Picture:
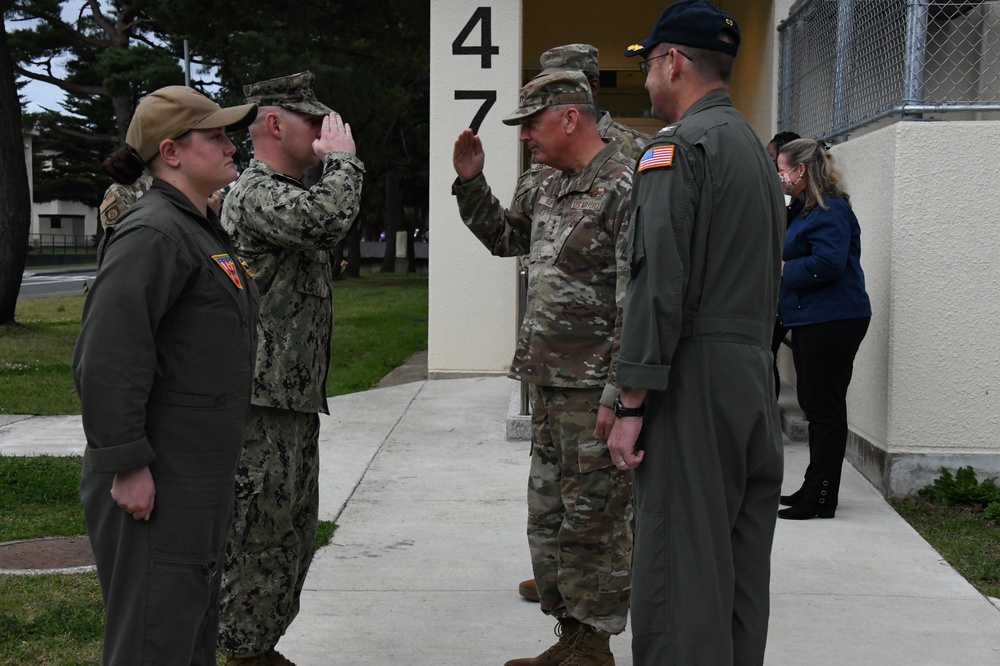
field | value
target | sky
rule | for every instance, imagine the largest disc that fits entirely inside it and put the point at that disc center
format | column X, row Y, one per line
column 38, row 94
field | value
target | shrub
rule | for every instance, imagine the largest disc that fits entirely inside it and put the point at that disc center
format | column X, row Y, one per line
column 962, row 488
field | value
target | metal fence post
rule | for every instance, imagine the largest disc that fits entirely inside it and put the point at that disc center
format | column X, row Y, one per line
column 913, row 63
column 842, row 62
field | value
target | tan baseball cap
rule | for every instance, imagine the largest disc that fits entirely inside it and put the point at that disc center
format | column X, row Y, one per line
column 170, row 112
column 549, row 89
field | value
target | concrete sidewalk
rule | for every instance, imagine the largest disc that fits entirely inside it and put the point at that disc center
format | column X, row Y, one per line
column 429, row 497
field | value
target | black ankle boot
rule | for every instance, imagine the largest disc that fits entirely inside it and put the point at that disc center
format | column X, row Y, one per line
column 804, row 510
column 793, row 499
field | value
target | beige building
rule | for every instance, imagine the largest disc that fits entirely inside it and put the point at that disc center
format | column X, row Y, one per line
column 922, row 176
column 57, row 223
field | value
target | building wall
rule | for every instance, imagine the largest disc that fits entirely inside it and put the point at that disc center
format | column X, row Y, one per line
column 39, row 225
column 473, row 295
column 927, row 377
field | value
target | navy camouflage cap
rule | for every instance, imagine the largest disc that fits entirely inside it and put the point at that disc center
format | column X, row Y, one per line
column 549, row 89
column 290, row 92
column 691, row 23
column 582, row 57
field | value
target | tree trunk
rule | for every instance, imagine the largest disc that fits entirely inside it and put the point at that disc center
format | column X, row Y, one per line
column 353, row 246
column 15, row 200
column 393, row 215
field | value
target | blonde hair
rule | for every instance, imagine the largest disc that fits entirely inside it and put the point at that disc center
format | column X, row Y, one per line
column 824, row 177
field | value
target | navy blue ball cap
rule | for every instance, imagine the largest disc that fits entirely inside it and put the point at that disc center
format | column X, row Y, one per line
column 691, row 23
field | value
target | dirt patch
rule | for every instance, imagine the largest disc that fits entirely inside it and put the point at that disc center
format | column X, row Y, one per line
column 46, row 554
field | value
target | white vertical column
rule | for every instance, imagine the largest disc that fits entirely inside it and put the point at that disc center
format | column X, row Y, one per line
column 475, row 78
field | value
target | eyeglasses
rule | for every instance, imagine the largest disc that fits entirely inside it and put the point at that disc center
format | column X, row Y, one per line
column 644, row 65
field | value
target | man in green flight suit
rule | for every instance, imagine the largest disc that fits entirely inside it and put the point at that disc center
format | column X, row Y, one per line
column 697, row 419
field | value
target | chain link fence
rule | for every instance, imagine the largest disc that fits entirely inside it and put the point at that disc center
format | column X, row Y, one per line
column 850, row 64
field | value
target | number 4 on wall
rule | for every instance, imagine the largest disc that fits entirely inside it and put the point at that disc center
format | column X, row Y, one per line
column 486, row 49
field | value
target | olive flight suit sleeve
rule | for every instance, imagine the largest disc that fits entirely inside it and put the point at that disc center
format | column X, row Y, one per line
column 665, row 201
column 142, row 274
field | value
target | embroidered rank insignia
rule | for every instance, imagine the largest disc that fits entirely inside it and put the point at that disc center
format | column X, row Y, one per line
column 227, row 264
column 657, row 157
column 246, row 266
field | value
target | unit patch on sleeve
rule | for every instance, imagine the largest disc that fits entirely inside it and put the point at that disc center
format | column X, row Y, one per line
column 657, row 157
column 227, row 264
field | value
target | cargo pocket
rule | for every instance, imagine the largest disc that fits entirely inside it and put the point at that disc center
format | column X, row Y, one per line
column 596, row 469
column 179, row 596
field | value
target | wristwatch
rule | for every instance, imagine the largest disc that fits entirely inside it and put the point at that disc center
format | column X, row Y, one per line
column 622, row 411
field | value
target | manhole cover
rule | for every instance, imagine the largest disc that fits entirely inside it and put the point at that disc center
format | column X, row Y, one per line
column 50, row 555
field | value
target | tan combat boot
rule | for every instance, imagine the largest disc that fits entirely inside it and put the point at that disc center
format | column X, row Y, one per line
column 569, row 632
column 528, row 589
column 591, row 649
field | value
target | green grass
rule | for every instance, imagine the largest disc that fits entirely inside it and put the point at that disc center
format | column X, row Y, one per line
column 56, row 619
column 40, row 497
column 36, row 357
column 381, row 319
column 50, row 619
column 963, row 536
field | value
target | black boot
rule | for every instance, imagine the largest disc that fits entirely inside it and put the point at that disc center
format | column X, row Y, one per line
column 804, row 510
column 794, row 498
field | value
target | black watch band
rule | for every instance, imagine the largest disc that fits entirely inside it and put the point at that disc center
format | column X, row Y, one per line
column 622, row 411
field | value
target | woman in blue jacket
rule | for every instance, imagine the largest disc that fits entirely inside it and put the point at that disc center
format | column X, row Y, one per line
column 823, row 302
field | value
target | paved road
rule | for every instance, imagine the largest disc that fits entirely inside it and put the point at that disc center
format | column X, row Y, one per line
column 69, row 284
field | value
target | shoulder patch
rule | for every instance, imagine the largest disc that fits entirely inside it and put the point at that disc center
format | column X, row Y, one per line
column 226, row 263
column 657, row 157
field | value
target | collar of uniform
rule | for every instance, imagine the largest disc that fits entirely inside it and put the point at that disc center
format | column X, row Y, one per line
column 583, row 180
column 717, row 97
column 604, row 124
column 268, row 170
column 174, row 195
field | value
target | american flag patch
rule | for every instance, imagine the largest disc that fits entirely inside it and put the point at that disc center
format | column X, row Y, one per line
column 658, row 156
column 227, row 264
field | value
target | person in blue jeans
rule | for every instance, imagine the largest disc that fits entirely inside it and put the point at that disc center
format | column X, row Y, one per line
column 823, row 302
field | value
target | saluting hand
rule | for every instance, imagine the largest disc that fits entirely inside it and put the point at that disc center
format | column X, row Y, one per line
column 335, row 136
column 468, row 156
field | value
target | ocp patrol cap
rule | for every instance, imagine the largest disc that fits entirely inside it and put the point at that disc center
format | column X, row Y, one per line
column 691, row 23
column 290, row 92
column 581, row 57
column 549, row 89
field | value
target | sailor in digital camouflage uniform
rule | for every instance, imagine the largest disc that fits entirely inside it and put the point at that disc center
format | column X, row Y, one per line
column 578, row 502
column 583, row 58
column 118, row 198
column 285, row 233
